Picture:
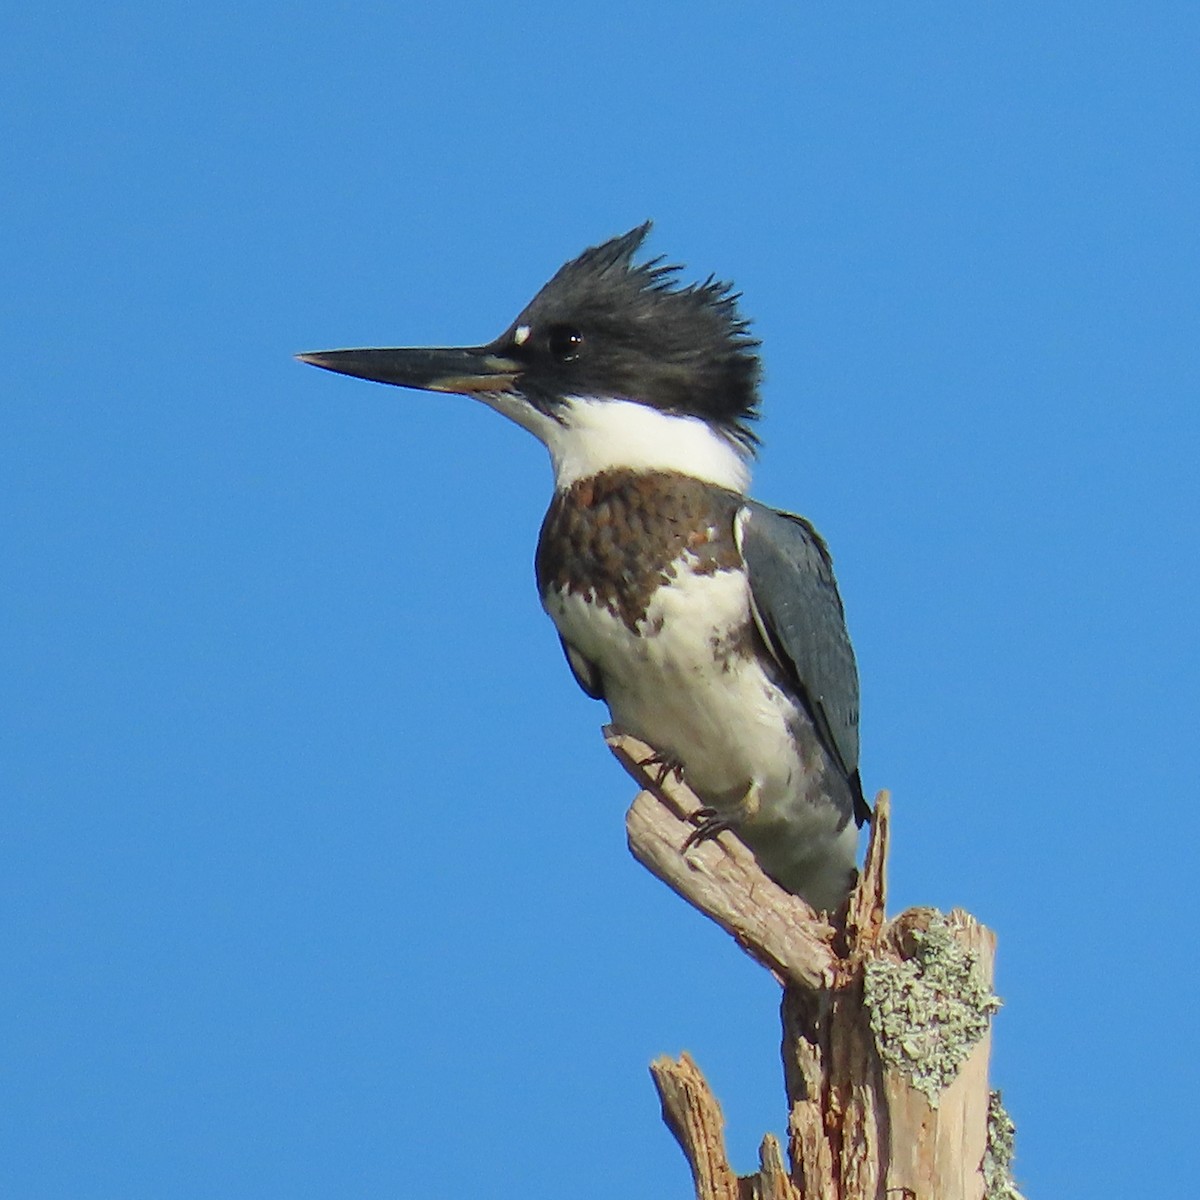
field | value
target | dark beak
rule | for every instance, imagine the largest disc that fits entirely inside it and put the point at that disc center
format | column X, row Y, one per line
column 468, row 369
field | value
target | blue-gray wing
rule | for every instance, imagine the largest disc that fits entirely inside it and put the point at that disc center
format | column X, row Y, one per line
column 799, row 614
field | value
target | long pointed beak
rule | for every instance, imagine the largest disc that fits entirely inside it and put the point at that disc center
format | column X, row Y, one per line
column 468, row 369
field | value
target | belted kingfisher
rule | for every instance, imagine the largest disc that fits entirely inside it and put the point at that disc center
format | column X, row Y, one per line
column 709, row 624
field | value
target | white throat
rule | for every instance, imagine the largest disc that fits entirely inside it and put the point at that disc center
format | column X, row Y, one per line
column 596, row 435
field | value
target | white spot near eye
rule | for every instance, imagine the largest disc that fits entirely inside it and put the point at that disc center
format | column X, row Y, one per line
column 521, row 335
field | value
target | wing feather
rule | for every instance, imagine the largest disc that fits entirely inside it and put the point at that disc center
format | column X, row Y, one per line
column 799, row 613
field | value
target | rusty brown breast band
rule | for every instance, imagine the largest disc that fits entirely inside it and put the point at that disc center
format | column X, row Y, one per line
column 618, row 536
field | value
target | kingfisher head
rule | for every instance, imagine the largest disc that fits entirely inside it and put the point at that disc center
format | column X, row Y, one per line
column 612, row 364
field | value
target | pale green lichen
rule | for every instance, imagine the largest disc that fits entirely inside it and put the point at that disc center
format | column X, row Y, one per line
column 929, row 1010
column 997, row 1159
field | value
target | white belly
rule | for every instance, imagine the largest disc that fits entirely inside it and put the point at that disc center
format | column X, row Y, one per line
column 685, row 686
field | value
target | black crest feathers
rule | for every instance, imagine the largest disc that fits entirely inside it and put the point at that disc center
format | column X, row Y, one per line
column 606, row 326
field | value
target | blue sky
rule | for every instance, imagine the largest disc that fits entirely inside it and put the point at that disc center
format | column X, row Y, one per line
column 314, row 879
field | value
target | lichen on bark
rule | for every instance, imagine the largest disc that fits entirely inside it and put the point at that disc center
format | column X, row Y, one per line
column 929, row 1009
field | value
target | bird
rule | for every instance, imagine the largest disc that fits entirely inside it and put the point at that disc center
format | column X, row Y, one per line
column 710, row 624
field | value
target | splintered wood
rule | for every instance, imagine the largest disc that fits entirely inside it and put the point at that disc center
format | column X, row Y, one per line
column 886, row 1025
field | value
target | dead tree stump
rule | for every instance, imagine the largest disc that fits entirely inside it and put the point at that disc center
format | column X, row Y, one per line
column 886, row 1025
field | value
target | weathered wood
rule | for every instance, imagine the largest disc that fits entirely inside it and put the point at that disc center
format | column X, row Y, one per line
column 937, row 1098
column 772, row 1181
column 692, row 1114
column 886, row 1025
column 722, row 879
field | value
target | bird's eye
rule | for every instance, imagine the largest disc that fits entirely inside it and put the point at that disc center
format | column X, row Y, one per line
column 564, row 342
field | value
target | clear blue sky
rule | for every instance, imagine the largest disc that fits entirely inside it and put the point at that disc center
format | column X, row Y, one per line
column 314, row 880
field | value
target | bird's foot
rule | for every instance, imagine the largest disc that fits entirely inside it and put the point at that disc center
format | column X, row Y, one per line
column 709, row 822
column 663, row 765
column 659, row 765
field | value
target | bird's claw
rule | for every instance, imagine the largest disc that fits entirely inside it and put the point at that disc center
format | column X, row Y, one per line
column 663, row 765
column 658, row 765
column 709, row 823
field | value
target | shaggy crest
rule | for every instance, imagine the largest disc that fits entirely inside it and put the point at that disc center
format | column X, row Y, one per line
column 607, row 328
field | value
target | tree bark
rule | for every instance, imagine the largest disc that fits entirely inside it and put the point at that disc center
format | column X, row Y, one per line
column 886, row 1024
